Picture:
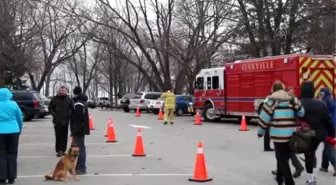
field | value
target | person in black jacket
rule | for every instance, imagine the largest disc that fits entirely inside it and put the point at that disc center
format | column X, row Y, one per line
column 318, row 118
column 79, row 127
column 60, row 107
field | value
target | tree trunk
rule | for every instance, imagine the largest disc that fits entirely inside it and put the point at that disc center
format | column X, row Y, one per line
column 47, row 85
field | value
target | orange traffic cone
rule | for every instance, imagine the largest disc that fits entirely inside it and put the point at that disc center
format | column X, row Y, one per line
column 200, row 173
column 139, row 147
column 111, row 137
column 91, row 122
column 160, row 116
column 198, row 119
column 137, row 113
column 243, row 125
column 110, row 121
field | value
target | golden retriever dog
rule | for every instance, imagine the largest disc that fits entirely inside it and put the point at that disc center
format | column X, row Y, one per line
column 67, row 163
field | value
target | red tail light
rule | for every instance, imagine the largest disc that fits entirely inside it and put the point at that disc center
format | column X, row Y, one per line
column 36, row 104
column 142, row 101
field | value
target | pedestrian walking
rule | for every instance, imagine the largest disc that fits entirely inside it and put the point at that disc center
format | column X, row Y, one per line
column 60, row 107
column 10, row 128
column 319, row 120
column 295, row 161
column 169, row 107
column 79, row 127
column 279, row 115
column 328, row 154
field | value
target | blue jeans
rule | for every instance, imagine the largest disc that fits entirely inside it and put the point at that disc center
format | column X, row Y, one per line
column 328, row 155
column 81, row 162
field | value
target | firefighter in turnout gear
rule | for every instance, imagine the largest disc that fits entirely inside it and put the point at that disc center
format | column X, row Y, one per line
column 169, row 100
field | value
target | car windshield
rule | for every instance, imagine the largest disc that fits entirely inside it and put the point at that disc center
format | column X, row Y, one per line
column 152, row 96
column 137, row 96
column 127, row 96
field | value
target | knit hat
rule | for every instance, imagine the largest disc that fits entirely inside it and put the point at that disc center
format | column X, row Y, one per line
column 307, row 90
column 77, row 90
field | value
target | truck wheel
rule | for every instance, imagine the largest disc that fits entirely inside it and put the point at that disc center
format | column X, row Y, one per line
column 126, row 109
column 209, row 113
column 101, row 106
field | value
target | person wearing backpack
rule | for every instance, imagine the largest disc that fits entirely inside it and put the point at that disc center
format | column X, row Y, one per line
column 279, row 114
column 295, row 161
column 79, row 127
column 328, row 154
column 319, row 120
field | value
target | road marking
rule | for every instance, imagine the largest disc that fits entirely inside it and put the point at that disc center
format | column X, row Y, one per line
column 52, row 144
column 139, row 126
column 89, row 156
column 118, row 175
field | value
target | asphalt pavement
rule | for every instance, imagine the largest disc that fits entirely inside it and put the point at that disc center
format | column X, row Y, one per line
column 232, row 157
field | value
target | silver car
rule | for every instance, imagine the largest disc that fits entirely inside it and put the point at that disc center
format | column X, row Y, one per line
column 142, row 99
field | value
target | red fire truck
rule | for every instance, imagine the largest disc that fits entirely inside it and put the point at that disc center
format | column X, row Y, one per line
column 238, row 88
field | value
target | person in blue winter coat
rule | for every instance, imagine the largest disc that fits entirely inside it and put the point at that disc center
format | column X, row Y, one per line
column 10, row 128
column 328, row 154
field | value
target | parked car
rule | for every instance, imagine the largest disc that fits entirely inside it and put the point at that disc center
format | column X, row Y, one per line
column 155, row 105
column 142, row 99
column 46, row 102
column 30, row 104
column 91, row 104
column 125, row 101
column 104, row 102
column 184, row 105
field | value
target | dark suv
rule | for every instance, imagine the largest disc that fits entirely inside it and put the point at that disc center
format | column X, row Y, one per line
column 30, row 104
column 125, row 101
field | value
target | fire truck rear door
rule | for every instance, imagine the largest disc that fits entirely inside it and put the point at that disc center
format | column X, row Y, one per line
column 322, row 73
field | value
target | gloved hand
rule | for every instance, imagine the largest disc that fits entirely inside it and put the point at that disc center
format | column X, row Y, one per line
column 331, row 141
column 260, row 135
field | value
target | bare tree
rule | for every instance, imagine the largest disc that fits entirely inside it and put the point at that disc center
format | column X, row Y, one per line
column 154, row 45
column 201, row 28
column 59, row 39
column 85, row 65
column 274, row 27
column 16, row 32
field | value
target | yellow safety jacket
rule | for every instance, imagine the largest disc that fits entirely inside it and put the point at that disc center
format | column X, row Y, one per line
column 169, row 100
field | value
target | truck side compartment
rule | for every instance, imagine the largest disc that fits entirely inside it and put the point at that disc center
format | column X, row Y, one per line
column 248, row 83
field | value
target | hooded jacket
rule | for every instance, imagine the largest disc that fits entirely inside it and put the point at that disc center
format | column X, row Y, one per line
column 330, row 102
column 10, row 113
column 79, row 124
column 60, row 107
column 317, row 115
column 279, row 113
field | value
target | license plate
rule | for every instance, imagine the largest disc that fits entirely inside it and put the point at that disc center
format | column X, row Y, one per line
column 190, row 109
